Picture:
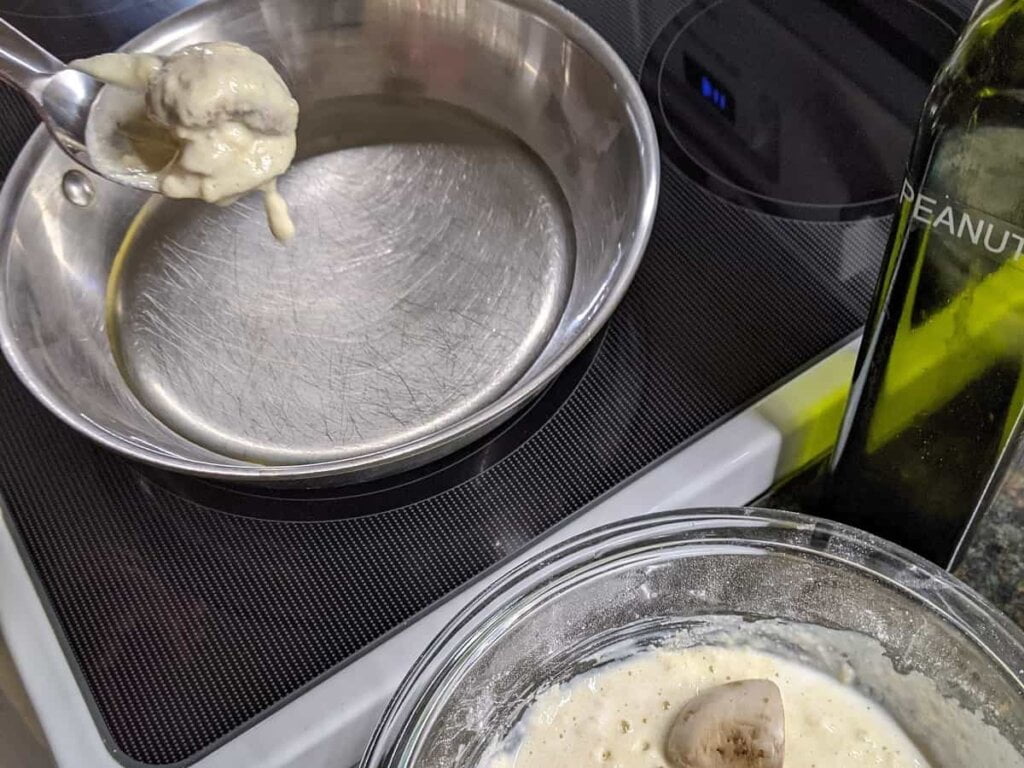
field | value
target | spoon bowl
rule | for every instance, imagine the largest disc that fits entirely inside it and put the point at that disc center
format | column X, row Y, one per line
column 736, row 725
column 64, row 99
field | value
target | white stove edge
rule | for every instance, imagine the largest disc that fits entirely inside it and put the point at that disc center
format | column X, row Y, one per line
column 330, row 724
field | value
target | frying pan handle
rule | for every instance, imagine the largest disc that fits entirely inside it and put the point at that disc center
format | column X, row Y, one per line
column 24, row 64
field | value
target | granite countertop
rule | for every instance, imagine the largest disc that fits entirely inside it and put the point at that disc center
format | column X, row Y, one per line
column 994, row 565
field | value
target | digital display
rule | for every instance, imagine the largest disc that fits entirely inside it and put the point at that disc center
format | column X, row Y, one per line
column 710, row 88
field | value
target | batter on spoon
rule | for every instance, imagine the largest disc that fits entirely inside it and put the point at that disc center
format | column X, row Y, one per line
column 230, row 113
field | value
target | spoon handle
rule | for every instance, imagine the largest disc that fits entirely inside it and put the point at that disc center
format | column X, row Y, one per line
column 24, row 64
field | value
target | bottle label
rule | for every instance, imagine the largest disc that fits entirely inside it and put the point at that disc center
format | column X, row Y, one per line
column 944, row 214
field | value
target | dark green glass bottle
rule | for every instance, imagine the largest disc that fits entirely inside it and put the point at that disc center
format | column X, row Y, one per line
column 938, row 389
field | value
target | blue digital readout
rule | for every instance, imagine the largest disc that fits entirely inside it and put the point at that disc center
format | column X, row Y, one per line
column 710, row 88
column 715, row 95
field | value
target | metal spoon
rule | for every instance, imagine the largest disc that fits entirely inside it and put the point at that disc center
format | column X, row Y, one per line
column 736, row 725
column 62, row 97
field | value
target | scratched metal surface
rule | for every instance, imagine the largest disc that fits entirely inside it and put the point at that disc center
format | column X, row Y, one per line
column 429, row 270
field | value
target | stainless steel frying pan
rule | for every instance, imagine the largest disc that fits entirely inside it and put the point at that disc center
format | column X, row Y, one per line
column 475, row 185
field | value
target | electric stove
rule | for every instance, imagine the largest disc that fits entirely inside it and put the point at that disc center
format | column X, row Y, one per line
column 163, row 620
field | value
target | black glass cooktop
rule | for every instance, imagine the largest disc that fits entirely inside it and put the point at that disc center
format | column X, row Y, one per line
column 803, row 109
column 190, row 609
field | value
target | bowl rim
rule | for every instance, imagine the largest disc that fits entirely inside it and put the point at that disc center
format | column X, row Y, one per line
column 956, row 603
column 380, row 462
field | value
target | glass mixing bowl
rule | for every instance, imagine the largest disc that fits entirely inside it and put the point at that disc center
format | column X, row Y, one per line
column 946, row 664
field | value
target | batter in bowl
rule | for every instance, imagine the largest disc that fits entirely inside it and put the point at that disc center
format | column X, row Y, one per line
column 619, row 716
column 229, row 113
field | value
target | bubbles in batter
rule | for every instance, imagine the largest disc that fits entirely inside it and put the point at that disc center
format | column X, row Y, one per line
column 620, row 716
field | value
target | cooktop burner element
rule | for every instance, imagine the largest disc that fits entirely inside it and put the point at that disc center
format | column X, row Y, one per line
column 802, row 108
column 69, row 9
column 77, row 28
